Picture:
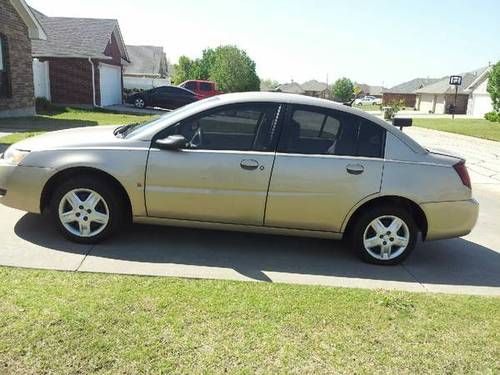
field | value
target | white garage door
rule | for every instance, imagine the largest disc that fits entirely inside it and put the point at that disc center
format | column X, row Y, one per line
column 111, row 84
column 482, row 104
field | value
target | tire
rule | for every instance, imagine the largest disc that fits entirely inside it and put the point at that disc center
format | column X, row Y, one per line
column 140, row 102
column 367, row 230
column 87, row 209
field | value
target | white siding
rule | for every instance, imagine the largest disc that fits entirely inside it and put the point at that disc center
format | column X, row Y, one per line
column 41, row 79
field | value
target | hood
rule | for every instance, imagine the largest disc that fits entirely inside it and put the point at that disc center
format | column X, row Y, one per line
column 90, row 136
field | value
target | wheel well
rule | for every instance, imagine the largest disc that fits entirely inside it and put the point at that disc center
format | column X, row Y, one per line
column 413, row 208
column 61, row 176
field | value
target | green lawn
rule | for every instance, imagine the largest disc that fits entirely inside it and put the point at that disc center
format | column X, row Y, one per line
column 368, row 107
column 55, row 322
column 473, row 127
column 63, row 118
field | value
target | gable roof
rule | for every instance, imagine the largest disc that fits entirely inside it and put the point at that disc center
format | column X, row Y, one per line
column 146, row 60
column 76, row 37
column 443, row 86
column 370, row 90
column 411, row 86
column 35, row 29
column 314, row 85
column 480, row 79
column 291, row 88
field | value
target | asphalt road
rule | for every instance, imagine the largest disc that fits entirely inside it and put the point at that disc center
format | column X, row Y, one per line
column 469, row 265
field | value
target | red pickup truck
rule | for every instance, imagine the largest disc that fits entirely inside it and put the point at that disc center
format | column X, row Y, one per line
column 203, row 89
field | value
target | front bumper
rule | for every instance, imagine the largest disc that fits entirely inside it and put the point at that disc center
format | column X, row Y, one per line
column 450, row 219
column 22, row 186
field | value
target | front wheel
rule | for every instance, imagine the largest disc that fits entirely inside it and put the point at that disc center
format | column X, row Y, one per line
column 384, row 235
column 86, row 210
column 140, row 103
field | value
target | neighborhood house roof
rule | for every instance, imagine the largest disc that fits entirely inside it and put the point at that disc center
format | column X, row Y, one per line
column 314, row 85
column 35, row 30
column 480, row 79
column 291, row 88
column 443, row 86
column 146, row 60
column 76, row 37
column 411, row 86
column 370, row 90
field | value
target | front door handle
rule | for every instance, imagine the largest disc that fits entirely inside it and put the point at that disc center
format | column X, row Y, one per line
column 355, row 169
column 249, row 164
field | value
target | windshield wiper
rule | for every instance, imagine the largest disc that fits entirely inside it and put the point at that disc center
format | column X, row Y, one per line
column 123, row 130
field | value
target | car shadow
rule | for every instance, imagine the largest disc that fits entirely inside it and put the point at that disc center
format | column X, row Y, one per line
column 448, row 262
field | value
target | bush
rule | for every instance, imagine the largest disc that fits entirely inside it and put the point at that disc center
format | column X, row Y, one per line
column 43, row 105
column 492, row 116
column 392, row 108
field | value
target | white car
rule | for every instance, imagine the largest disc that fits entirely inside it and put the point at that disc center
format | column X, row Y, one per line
column 368, row 100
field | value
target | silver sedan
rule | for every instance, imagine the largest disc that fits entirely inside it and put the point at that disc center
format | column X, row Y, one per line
column 258, row 162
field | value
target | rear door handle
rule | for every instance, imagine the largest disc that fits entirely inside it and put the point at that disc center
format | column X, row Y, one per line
column 355, row 169
column 249, row 164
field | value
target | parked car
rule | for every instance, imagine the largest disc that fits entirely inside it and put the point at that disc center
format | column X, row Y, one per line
column 257, row 162
column 203, row 89
column 168, row 97
column 368, row 100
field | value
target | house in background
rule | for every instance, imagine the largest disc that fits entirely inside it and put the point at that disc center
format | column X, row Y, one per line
column 148, row 68
column 368, row 90
column 18, row 27
column 291, row 88
column 316, row 89
column 439, row 96
column 80, row 62
column 406, row 91
column 479, row 102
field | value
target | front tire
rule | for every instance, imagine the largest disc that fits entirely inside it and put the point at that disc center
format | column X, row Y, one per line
column 86, row 210
column 140, row 103
column 384, row 235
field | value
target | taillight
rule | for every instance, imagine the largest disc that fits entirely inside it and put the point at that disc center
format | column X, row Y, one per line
column 461, row 169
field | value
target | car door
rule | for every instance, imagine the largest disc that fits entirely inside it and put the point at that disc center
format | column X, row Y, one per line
column 327, row 161
column 223, row 175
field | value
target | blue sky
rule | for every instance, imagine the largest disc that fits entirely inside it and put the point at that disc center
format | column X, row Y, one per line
column 375, row 42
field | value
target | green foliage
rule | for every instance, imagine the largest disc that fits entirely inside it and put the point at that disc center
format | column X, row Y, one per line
column 229, row 66
column 343, row 90
column 492, row 116
column 494, row 86
column 392, row 108
column 269, row 84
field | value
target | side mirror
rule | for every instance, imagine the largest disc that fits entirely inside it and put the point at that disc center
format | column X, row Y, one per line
column 173, row 142
column 402, row 122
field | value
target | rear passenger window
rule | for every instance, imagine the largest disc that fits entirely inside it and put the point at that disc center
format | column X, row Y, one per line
column 205, row 86
column 312, row 130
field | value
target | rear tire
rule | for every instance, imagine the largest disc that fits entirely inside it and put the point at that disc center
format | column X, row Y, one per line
column 384, row 235
column 87, row 210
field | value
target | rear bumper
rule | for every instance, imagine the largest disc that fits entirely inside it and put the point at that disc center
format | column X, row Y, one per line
column 450, row 219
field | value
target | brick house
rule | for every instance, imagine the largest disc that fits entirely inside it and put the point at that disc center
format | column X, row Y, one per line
column 80, row 62
column 406, row 91
column 17, row 27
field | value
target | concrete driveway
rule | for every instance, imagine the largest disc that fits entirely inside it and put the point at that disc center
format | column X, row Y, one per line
column 468, row 265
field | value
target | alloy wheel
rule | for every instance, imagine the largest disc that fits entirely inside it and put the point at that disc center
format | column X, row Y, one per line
column 83, row 212
column 139, row 103
column 386, row 237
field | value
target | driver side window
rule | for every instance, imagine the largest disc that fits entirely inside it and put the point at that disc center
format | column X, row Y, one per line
column 239, row 128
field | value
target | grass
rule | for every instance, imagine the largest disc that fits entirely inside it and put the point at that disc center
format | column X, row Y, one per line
column 54, row 322
column 63, row 118
column 368, row 107
column 473, row 127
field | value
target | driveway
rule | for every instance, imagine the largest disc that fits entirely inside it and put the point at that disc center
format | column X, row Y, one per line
column 469, row 265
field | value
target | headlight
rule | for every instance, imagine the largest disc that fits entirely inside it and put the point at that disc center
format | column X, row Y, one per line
column 14, row 156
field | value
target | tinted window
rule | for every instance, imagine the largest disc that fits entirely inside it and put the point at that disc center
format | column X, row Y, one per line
column 328, row 132
column 190, row 86
column 205, row 86
column 242, row 128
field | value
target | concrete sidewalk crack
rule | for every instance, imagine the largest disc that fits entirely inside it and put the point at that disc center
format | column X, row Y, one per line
column 414, row 277
column 85, row 257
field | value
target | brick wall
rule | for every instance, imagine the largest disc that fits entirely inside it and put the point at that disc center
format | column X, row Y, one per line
column 20, row 66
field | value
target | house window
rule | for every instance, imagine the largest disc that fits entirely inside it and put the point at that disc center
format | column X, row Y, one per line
column 4, row 68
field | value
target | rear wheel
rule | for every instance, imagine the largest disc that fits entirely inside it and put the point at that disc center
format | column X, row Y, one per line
column 384, row 235
column 87, row 210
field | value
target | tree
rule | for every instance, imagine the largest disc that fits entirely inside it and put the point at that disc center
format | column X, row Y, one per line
column 343, row 90
column 494, row 86
column 183, row 70
column 233, row 70
column 269, row 84
column 229, row 66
